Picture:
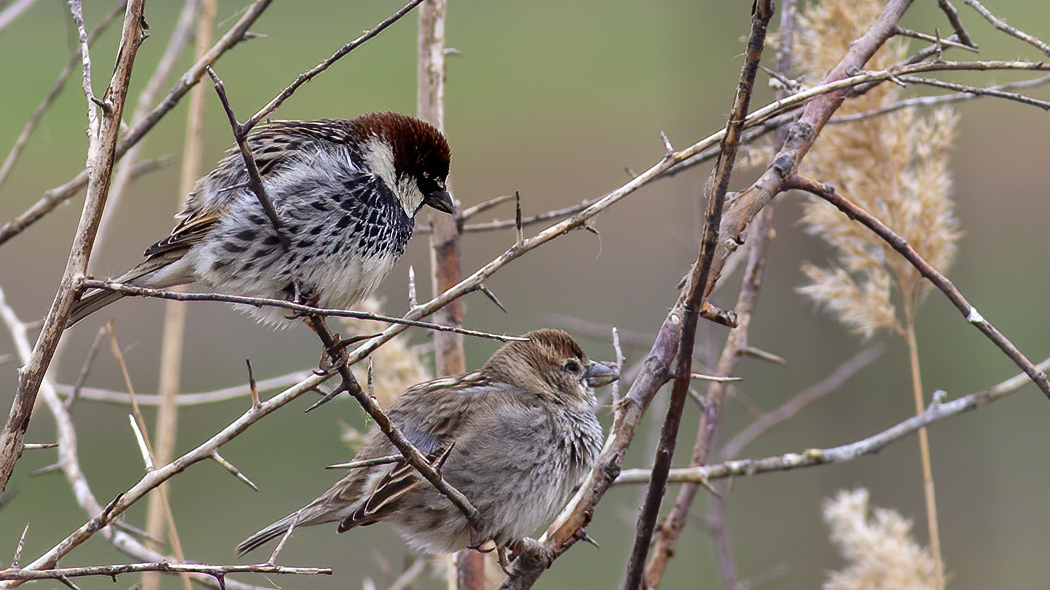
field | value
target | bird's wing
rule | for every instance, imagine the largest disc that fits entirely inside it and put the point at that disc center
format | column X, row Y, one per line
column 275, row 146
column 434, row 432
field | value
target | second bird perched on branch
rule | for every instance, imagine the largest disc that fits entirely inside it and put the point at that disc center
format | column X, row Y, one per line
column 345, row 192
column 514, row 438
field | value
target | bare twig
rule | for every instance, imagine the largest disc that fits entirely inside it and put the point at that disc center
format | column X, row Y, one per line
column 968, row 93
column 60, row 194
column 297, row 307
column 186, row 399
column 216, row 571
column 85, row 370
column 800, row 400
column 949, row 42
column 70, row 466
column 255, row 183
column 978, row 91
column 9, row 14
column 165, row 66
column 998, row 23
column 324, row 65
column 953, row 17
column 56, row 89
column 483, row 206
column 940, row 281
column 512, row 223
column 935, row 412
column 407, row 577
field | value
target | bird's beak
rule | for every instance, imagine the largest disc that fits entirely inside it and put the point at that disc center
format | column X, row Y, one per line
column 598, row 374
column 442, row 201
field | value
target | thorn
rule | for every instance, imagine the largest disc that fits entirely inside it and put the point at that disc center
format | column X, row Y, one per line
column 67, row 583
column 492, row 296
column 630, row 171
column 18, row 548
column 452, row 51
column 704, row 483
column 667, row 144
column 142, row 444
column 587, row 226
column 348, row 341
column 517, row 219
column 368, row 462
column 85, row 370
column 444, row 457
column 37, row 446
column 715, row 378
column 251, row 384
column 766, row 356
column 324, row 400
column 45, row 470
column 104, row 515
column 587, row 538
column 412, row 301
column 101, row 104
column 232, row 469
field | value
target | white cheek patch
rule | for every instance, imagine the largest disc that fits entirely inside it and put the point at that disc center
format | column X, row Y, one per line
column 408, row 193
column 379, row 158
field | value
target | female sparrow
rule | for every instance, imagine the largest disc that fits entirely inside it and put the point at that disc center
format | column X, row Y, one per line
column 346, row 193
column 514, row 438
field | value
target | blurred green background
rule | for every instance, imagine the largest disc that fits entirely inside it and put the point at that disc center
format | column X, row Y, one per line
column 554, row 100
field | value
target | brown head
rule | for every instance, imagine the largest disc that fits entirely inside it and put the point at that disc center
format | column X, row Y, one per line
column 551, row 364
column 418, row 157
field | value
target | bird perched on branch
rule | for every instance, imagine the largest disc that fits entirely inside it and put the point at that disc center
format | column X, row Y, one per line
column 345, row 193
column 514, row 438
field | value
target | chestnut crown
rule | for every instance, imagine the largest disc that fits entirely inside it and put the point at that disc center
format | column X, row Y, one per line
column 419, row 150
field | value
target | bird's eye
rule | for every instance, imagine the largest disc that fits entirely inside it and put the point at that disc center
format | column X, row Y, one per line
column 572, row 366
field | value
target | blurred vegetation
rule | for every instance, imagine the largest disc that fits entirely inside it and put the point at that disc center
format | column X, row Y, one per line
column 554, row 100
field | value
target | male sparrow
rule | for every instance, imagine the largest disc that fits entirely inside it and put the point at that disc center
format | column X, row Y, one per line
column 346, row 193
column 514, row 438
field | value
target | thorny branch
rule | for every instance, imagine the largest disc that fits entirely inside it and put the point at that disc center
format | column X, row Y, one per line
column 927, row 270
column 662, row 351
column 935, row 412
column 101, row 157
column 216, row 571
column 324, row 65
column 56, row 196
column 56, row 89
column 718, row 186
column 284, row 304
column 69, row 463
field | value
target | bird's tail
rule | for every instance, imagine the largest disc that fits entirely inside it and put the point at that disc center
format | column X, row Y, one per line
column 171, row 272
column 267, row 534
column 91, row 303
